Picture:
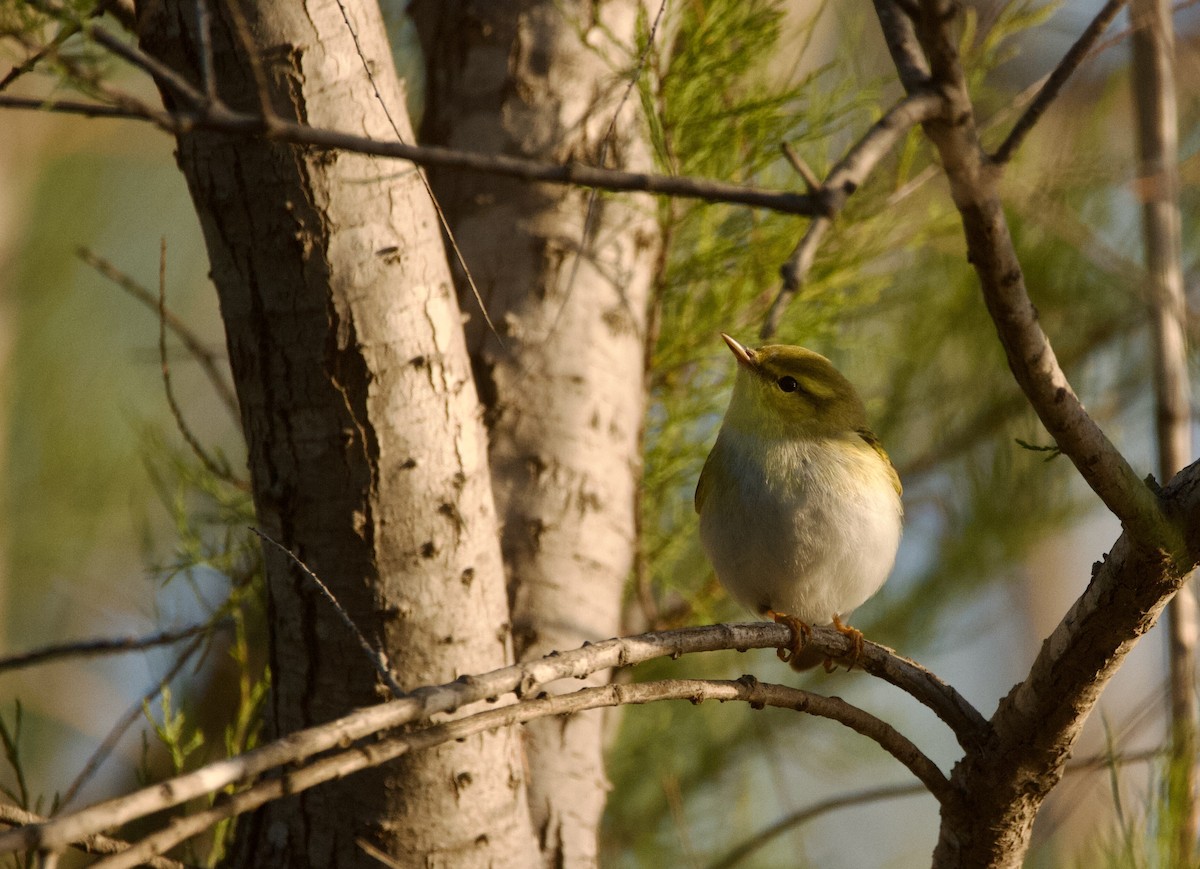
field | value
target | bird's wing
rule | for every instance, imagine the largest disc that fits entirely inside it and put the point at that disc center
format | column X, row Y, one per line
column 869, row 438
column 704, row 484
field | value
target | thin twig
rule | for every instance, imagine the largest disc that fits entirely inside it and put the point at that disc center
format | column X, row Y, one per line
column 846, row 177
column 50, row 48
column 131, row 716
column 208, row 77
column 83, row 109
column 377, row 657
column 372, row 754
column 589, row 217
column 162, row 74
column 241, row 29
column 765, row 836
column 208, row 360
column 96, row 844
column 1075, row 56
column 210, row 464
column 522, row 679
column 802, row 169
column 103, row 646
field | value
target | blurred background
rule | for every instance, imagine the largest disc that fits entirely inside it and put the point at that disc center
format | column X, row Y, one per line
column 113, row 527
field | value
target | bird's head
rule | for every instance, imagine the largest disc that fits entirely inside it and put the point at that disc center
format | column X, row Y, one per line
column 783, row 391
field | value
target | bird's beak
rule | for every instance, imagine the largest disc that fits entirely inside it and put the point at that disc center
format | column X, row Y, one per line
column 745, row 356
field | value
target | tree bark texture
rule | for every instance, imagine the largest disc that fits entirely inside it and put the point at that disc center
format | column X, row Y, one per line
column 562, row 376
column 367, row 451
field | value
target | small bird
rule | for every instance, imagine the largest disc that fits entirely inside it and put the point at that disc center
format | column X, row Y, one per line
column 799, row 504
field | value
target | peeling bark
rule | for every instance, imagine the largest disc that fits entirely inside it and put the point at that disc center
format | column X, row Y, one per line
column 367, row 454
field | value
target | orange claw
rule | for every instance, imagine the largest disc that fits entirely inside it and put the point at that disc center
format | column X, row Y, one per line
column 801, row 634
column 856, row 639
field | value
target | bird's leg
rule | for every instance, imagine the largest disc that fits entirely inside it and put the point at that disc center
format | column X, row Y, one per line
column 856, row 639
column 801, row 634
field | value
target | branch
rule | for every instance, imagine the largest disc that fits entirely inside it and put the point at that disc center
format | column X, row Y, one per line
column 97, row 844
column 845, row 178
column 135, row 712
column 206, row 358
column 765, row 836
column 344, row 763
column 760, row 839
column 973, row 182
column 105, row 646
column 522, row 680
column 377, row 657
column 1075, row 56
column 87, row 110
column 219, row 118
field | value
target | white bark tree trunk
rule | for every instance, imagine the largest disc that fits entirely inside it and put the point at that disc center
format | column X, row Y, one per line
column 563, row 380
column 367, row 453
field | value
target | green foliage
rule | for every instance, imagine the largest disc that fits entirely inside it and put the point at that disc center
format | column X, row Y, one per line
column 47, row 41
column 175, row 732
column 212, row 515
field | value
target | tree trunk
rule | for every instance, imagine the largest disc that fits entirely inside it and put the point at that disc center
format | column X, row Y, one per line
column 367, row 453
column 563, row 378
column 1153, row 79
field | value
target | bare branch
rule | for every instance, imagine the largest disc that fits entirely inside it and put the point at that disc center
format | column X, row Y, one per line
column 845, row 178
column 105, row 646
column 209, row 463
column 206, row 358
column 765, row 836
column 220, row 119
column 162, row 74
column 208, row 76
column 83, row 109
column 811, row 181
column 97, row 844
column 1075, row 56
column 126, row 721
column 344, row 763
column 376, row 656
column 521, row 679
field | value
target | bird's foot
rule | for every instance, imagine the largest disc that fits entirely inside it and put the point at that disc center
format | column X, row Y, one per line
column 801, row 634
column 856, row 640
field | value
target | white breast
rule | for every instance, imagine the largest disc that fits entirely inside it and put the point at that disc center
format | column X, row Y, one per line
column 816, row 542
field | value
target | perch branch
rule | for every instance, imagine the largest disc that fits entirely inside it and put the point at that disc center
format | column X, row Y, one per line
column 697, row 691
column 523, row 680
column 97, row 844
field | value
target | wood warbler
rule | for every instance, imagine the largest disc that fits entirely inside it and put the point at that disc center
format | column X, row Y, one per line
column 799, row 504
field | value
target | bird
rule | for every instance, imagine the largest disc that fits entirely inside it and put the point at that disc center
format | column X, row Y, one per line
column 800, row 506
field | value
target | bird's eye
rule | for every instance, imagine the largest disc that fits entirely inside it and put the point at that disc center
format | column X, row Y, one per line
column 788, row 384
